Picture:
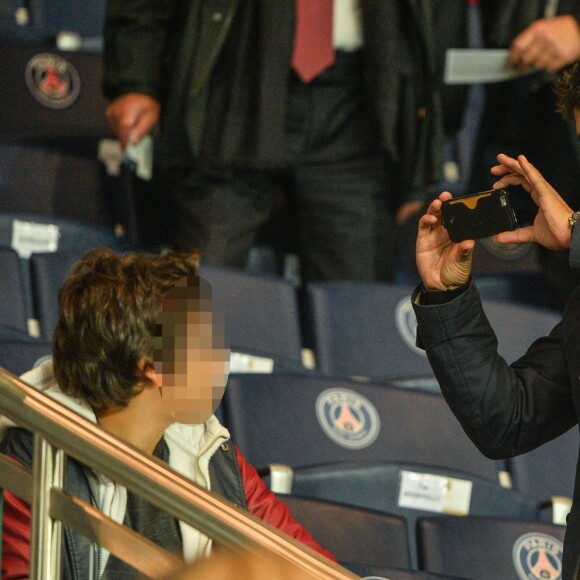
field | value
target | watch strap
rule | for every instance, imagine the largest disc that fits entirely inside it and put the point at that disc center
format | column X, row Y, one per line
column 574, row 256
column 572, row 219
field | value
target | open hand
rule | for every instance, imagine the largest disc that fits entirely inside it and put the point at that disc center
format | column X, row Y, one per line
column 442, row 264
column 551, row 228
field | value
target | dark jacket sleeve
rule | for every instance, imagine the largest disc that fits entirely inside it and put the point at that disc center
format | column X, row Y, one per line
column 136, row 33
column 505, row 410
column 503, row 20
column 265, row 505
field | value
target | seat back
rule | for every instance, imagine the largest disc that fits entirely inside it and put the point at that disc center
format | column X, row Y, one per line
column 19, row 356
column 379, row 573
column 54, row 140
column 30, row 233
column 526, row 288
column 549, row 470
column 260, row 312
column 15, row 303
column 364, row 329
column 307, row 420
column 410, row 491
column 44, row 19
column 490, row 548
column 48, row 272
column 517, row 326
column 353, row 534
column 75, row 107
column 55, row 243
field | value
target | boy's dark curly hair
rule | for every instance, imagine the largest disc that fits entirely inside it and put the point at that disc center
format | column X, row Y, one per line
column 108, row 306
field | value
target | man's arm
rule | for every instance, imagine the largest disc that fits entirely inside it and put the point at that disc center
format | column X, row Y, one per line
column 547, row 44
column 136, row 34
column 505, row 410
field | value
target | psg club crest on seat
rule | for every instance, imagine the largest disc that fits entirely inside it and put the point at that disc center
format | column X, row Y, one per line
column 52, row 80
column 406, row 322
column 347, row 418
column 538, row 557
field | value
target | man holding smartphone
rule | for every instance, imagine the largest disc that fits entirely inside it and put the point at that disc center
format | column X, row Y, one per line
column 505, row 409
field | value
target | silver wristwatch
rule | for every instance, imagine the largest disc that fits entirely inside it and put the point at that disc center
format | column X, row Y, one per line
column 572, row 219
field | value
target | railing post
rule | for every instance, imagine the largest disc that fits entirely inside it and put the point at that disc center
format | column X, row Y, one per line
column 45, row 534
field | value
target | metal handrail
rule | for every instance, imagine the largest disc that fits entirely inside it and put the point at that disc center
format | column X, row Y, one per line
column 59, row 431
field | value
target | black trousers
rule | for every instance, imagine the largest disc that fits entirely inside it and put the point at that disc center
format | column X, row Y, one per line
column 336, row 184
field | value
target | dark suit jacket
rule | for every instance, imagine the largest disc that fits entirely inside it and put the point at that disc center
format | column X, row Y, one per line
column 170, row 50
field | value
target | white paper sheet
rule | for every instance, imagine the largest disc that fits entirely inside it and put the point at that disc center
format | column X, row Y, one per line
column 475, row 65
column 141, row 154
column 435, row 493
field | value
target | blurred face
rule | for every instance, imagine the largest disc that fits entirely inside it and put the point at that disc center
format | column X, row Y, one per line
column 190, row 358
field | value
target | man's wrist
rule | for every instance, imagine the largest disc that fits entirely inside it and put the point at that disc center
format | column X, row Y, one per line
column 436, row 297
column 573, row 219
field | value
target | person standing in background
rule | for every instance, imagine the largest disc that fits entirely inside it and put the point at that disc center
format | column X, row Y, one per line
column 330, row 104
column 454, row 26
column 520, row 115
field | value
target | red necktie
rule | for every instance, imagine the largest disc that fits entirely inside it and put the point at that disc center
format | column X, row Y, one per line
column 313, row 50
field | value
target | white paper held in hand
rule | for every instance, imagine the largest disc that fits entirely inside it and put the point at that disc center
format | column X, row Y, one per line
column 141, row 156
column 475, row 65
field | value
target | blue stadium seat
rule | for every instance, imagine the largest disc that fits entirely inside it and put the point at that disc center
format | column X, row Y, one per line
column 527, row 288
column 44, row 248
column 307, row 420
column 52, row 142
column 410, row 491
column 549, row 470
column 517, row 326
column 14, row 17
column 365, row 329
column 490, row 548
column 260, row 314
column 352, row 534
column 48, row 272
column 19, row 356
column 77, row 109
column 68, row 235
column 368, row 329
column 376, row 573
column 15, row 302
column 42, row 20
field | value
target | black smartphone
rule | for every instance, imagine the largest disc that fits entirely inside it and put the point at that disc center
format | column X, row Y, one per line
column 478, row 215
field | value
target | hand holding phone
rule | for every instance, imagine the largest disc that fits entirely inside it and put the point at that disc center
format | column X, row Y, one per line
column 479, row 215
